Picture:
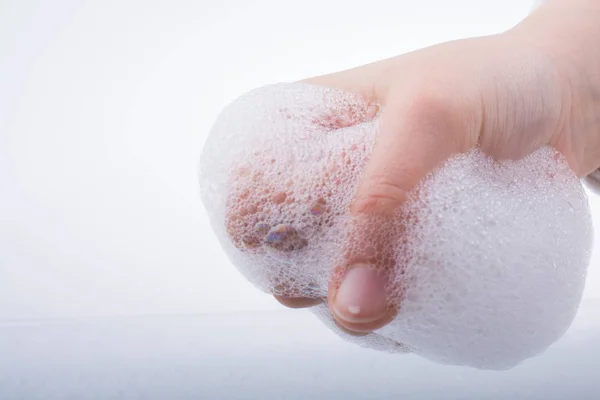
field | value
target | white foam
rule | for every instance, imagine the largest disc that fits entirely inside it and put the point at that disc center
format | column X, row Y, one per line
column 489, row 271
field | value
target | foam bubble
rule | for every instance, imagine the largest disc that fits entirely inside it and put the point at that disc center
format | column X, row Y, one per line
column 488, row 259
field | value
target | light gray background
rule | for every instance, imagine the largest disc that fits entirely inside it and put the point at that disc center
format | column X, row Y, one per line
column 104, row 106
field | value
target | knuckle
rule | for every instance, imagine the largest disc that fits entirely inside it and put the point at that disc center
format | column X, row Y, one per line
column 447, row 114
column 382, row 195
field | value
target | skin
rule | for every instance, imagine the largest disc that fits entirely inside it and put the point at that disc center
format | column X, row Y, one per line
column 536, row 84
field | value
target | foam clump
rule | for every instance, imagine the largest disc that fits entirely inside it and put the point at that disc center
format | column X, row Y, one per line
column 487, row 261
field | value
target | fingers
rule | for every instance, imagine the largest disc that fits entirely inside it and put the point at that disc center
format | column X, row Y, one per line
column 297, row 302
column 360, row 303
column 417, row 134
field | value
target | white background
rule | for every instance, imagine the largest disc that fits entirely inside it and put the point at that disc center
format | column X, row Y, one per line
column 104, row 106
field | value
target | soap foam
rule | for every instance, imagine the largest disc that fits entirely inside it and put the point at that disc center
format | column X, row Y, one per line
column 486, row 261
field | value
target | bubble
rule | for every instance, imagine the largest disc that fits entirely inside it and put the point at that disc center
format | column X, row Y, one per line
column 285, row 237
column 487, row 259
column 318, row 207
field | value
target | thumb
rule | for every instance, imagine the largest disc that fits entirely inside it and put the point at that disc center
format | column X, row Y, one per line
column 417, row 134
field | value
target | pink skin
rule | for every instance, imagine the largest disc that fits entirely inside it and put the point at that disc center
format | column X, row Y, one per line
column 536, row 84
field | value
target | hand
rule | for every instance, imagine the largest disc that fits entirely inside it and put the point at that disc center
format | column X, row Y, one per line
column 508, row 94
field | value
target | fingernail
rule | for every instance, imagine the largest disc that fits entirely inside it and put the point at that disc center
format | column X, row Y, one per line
column 361, row 297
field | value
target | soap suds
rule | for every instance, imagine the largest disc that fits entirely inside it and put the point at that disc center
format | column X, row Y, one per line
column 487, row 259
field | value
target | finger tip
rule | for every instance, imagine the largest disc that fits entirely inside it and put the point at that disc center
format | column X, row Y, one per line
column 298, row 302
column 360, row 303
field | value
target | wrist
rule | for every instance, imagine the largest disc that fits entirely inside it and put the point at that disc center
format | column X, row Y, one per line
column 566, row 32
